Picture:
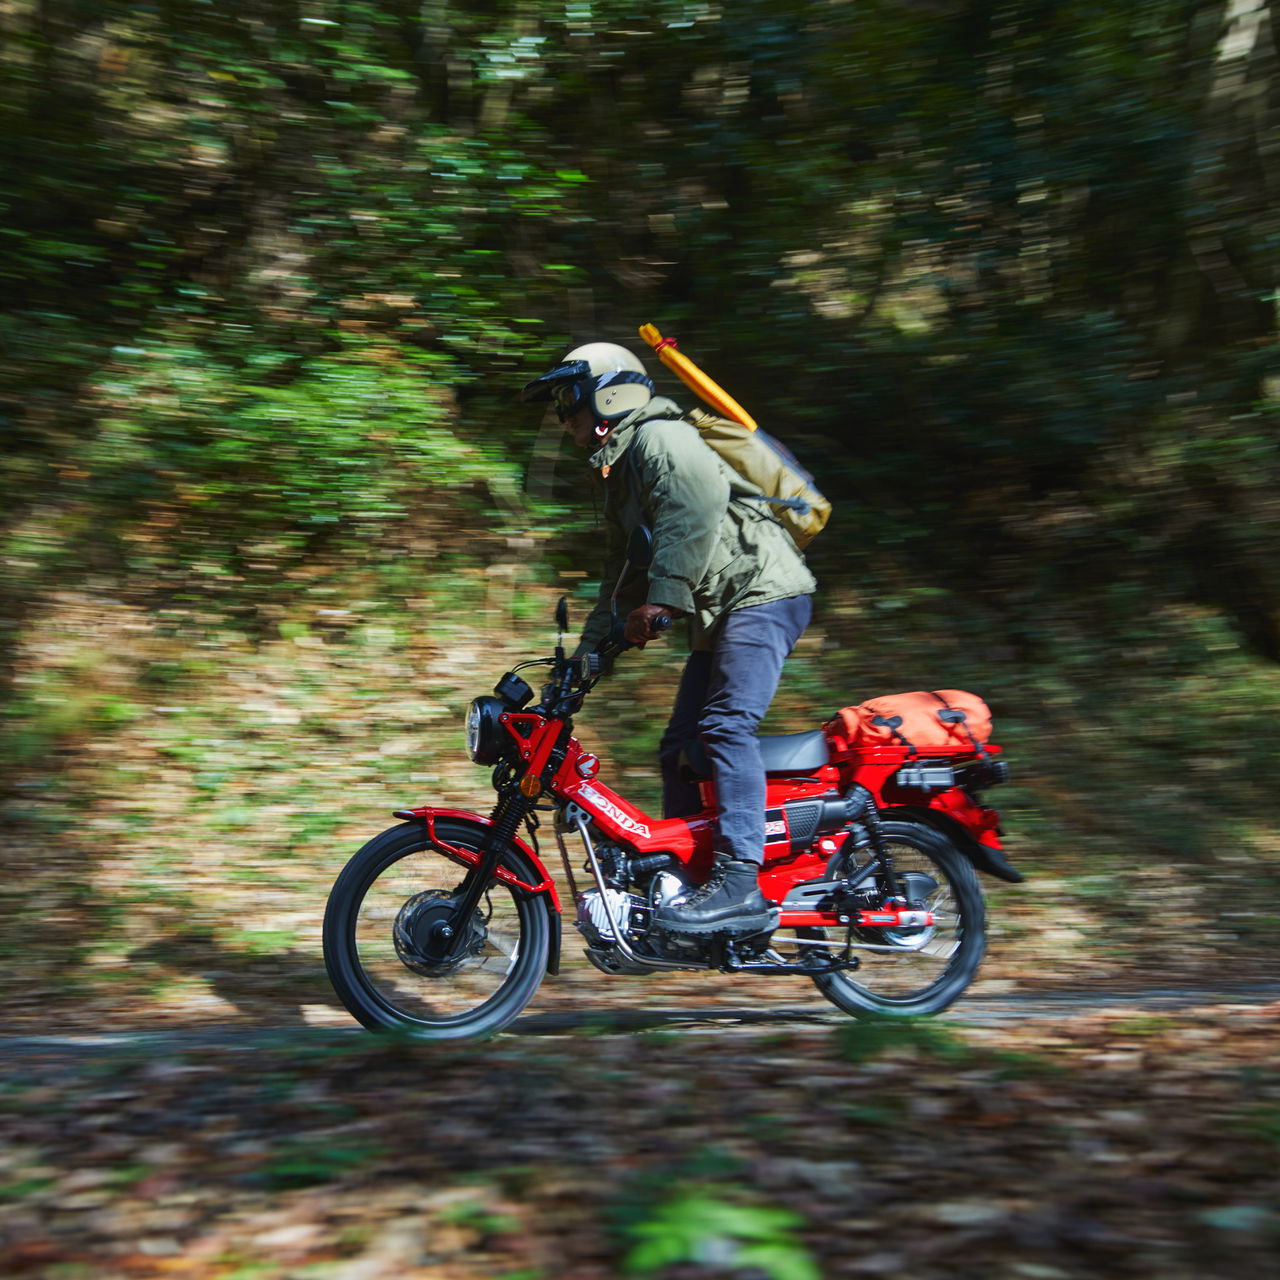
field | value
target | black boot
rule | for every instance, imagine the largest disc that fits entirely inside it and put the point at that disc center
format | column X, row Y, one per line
column 730, row 901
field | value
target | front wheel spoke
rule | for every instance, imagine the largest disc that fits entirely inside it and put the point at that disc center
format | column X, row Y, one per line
column 500, row 943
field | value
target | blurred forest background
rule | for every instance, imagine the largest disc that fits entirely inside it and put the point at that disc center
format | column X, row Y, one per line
column 1002, row 272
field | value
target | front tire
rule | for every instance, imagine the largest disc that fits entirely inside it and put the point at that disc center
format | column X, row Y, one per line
column 378, row 930
column 924, row 970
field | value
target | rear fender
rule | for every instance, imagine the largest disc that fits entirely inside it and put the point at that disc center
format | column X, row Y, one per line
column 984, row 857
column 539, row 884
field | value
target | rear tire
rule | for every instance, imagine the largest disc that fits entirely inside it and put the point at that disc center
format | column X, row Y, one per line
column 378, row 925
column 929, row 968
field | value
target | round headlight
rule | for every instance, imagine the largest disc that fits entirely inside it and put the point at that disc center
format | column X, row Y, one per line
column 484, row 733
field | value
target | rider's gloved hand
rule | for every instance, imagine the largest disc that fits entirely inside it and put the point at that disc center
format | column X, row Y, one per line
column 648, row 622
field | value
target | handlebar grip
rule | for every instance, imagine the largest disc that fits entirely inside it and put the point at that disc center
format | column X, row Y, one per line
column 616, row 641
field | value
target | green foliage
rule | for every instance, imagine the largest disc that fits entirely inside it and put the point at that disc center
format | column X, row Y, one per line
column 243, row 344
column 869, row 1037
column 22, row 1188
column 717, row 1227
column 478, row 1217
column 1265, row 1122
column 304, row 1163
column 349, row 442
column 1003, row 275
column 57, row 707
column 1241, row 1218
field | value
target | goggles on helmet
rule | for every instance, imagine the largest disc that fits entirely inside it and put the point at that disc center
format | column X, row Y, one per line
column 564, row 375
column 569, row 397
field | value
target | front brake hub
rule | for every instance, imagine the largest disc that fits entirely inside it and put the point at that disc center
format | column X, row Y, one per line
column 424, row 934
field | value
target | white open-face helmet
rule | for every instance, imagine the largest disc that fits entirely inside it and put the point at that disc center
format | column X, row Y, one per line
column 600, row 376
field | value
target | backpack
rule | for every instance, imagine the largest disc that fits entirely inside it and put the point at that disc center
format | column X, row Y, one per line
column 921, row 722
column 769, row 465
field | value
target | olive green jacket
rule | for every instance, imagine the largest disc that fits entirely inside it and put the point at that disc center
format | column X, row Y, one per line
column 714, row 548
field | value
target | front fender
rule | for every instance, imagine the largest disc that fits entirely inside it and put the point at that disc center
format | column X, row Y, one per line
column 544, row 885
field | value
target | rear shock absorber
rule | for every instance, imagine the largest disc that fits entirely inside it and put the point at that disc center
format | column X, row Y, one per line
column 862, row 808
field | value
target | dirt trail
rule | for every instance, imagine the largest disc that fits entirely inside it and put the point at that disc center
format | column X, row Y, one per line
column 1009, row 1009
column 1060, row 1134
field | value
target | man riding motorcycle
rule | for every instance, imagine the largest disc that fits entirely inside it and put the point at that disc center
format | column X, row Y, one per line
column 720, row 560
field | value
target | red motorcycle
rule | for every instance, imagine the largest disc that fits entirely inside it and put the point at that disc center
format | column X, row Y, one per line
column 445, row 925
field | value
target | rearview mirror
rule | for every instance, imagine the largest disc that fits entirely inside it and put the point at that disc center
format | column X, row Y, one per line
column 562, row 614
column 639, row 556
column 640, row 547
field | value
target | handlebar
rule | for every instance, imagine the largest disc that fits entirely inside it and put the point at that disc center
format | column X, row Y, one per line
column 616, row 641
column 575, row 676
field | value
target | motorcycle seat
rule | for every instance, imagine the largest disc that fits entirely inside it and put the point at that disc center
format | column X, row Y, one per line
column 795, row 753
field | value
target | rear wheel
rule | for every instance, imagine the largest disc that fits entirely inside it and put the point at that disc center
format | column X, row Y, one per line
column 391, row 943
column 917, row 971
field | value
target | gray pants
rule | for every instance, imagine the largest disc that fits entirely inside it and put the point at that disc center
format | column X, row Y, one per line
column 724, row 693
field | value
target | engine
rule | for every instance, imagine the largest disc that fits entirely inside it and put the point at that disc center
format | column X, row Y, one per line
column 630, row 910
column 599, row 911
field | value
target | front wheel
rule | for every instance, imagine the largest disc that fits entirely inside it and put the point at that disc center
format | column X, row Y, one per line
column 915, row 972
column 390, row 930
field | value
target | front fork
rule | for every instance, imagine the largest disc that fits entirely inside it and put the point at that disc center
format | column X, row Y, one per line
column 510, row 811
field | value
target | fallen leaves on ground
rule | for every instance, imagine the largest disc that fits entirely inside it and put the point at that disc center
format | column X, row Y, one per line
column 1091, row 1144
